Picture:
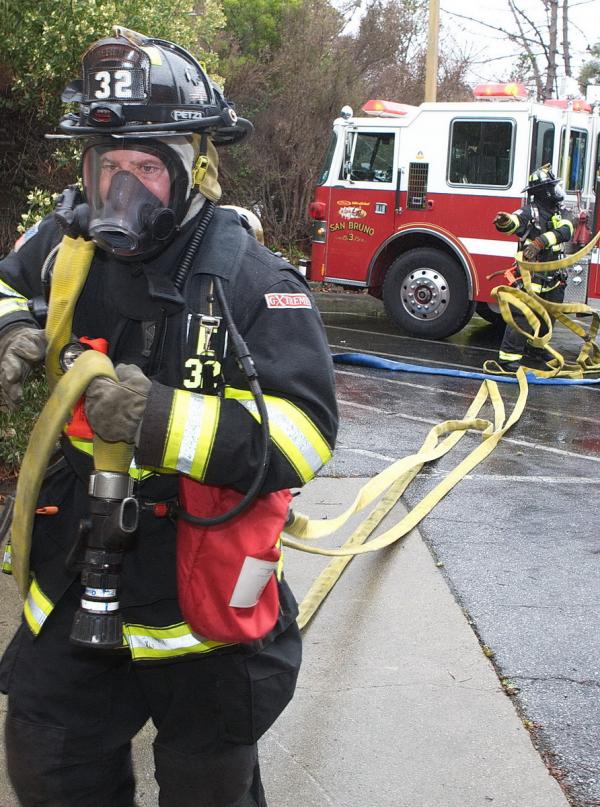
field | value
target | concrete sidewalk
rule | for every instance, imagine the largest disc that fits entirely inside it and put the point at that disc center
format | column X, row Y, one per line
column 396, row 706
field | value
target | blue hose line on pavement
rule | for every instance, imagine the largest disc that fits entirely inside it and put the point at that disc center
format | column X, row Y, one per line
column 367, row 360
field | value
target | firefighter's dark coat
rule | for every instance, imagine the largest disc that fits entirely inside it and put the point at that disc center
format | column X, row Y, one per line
column 290, row 352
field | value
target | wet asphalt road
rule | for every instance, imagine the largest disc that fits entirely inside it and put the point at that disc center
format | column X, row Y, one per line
column 518, row 538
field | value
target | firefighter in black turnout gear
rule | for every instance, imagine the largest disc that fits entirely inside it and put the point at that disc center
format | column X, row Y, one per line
column 542, row 229
column 149, row 122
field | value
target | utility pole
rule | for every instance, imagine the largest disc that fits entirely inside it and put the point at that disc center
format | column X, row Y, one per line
column 431, row 65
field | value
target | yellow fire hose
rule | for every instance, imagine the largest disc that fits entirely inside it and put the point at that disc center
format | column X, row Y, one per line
column 69, row 275
column 540, row 315
column 395, row 479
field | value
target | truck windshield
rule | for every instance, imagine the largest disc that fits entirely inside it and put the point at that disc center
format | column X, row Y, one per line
column 327, row 160
column 373, row 158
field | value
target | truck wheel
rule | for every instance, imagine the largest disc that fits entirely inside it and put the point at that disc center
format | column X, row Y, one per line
column 487, row 312
column 425, row 294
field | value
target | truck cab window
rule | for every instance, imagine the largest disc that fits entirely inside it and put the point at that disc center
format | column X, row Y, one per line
column 324, row 173
column 372, row 158
column 480, row 153
column 542, row 144
column 576, row 159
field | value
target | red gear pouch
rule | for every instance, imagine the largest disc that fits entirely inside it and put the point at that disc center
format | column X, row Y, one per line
column 79, row 425
column 226, row 580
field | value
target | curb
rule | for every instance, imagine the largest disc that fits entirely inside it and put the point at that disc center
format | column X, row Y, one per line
column 348, row 302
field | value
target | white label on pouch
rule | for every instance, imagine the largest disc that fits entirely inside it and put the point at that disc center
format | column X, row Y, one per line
column 251, row 583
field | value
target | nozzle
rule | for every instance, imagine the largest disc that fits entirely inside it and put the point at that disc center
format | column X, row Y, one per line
column 103, row 631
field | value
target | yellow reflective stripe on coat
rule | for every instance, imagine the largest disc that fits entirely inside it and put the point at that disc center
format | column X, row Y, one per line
column 292, row 431
column 191, row 432
column 551, row 238
column 163, row 643
column 12, row 304
column 558, row 222
column 37, row 608
column 8, row 291
column 7, row 560
column 515, row 223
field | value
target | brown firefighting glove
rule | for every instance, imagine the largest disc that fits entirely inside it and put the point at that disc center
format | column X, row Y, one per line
column 503, row 221
column 21, row 349
column 533, row 249
column 115, row 409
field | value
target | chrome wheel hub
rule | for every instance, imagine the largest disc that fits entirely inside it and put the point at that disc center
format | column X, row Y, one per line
column 425, row 294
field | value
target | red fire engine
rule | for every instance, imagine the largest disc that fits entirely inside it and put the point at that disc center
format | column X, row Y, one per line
column 407, row 195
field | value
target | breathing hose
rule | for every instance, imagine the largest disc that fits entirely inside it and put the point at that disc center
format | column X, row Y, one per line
column 206, row 217
column 246, row 365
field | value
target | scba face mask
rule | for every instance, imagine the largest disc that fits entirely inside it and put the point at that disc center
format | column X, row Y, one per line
column 559, row 192
column 550, row 193
column 137, row 195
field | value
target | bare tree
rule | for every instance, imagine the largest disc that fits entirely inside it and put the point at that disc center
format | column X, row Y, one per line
column 293, row 97
column 537, row 37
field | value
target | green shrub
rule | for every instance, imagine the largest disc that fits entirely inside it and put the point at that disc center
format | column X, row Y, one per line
column 16, row 427
column 39, row 204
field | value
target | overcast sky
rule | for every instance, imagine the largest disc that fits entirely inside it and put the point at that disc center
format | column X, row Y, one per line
column 491, row 51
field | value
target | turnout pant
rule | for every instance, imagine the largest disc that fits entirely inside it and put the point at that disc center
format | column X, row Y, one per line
column 513, row 343
column 72, row 713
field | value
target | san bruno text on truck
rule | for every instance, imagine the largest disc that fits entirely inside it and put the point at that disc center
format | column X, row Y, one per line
column 406, row 199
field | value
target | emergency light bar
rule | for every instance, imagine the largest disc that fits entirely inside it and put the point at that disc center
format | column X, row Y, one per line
column 578, row 104
column 386, row 109
column 501, row 92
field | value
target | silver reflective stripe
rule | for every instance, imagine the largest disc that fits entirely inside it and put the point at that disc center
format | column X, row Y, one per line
column 7, row 560
column 38, row 616
column 10, row 305
column 8, row 291
column 191, row 434
column 291, row 431
column 37, row 608
column 160, row 643
column 164, row 643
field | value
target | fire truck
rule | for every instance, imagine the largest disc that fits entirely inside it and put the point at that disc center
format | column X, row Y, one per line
column 407, row 195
